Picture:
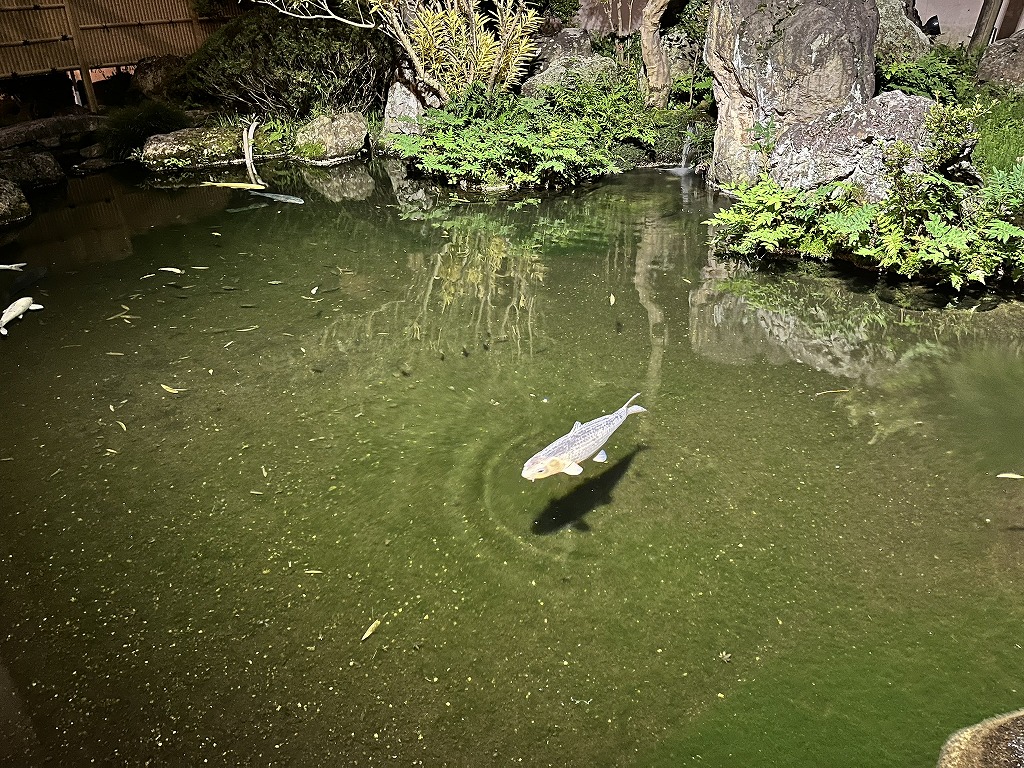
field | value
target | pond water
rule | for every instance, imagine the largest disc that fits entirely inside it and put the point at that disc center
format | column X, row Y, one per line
column 216, row 481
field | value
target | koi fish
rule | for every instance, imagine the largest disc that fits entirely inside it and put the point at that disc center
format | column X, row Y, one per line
column 13, row 267
column 582, row 442
column 279, row 197
column 16, row 310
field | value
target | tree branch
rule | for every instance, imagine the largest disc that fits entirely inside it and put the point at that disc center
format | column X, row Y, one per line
column 309, row 10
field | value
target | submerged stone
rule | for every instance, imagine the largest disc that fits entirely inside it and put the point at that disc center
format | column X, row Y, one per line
column 994, row 743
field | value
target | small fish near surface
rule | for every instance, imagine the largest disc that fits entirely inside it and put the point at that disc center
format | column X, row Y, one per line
column 279, row 198
column 582, row 442
column 16, row 310
column 13, row 267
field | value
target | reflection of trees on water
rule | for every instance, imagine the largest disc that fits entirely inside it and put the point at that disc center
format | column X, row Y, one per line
column 657, row 241
column 476, row 293
column 479, row 289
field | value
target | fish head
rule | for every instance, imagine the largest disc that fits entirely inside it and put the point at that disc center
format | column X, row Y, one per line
column 543, row 466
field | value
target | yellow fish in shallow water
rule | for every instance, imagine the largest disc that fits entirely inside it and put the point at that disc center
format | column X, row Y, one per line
column 582, row 442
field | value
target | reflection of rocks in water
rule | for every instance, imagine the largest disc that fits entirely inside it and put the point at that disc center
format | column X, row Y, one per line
column 728, row 328
column 914, row 366
column 410, row 194
column 351, row 181
column 101, row 217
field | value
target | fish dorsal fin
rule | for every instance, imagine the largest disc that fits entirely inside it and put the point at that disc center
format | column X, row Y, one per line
column 575, row 426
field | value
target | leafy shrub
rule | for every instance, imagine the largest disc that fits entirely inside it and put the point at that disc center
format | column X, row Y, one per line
column 457, row 44
column 565, row 10
column 127, row 129
column 564, row 136
column 267, row 62
column 929, row 225
column 1000, row 135
column 945, row 74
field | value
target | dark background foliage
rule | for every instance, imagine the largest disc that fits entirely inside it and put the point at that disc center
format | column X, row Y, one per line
column 264, row 61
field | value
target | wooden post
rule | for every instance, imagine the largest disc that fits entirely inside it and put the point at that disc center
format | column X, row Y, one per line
column 83, row 63
column 986, row 23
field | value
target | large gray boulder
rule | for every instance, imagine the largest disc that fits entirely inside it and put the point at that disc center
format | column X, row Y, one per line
column 683, row 53
column 407, row 101
column 784, row 62
column 850, row 144
column 192, row 148
column 899, row 36
column 1003, row 62
column 51, row 131
column 570, row 41
column 568, row 71
column 30, row 170
column 156, row 77
column 14, row 207
column 333, row 138
column 994, row 743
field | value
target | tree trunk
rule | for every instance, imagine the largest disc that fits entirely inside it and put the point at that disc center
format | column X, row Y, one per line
column 659, row 79
column 986, row 23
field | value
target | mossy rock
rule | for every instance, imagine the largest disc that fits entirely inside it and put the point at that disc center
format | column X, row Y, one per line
column 192, row 148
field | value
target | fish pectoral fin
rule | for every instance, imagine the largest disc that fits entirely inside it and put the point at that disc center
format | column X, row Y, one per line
column 601, row 457
column 573, row 469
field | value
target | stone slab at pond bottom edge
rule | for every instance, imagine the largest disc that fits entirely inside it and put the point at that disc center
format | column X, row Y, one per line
column 994, row 743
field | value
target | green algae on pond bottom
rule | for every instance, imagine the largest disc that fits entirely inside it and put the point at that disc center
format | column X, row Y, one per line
column 188, row 576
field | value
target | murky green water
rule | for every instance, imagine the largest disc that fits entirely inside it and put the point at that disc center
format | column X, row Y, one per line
column 800, row 556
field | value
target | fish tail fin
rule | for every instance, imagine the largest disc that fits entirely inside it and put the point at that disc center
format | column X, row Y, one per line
column 635, row 409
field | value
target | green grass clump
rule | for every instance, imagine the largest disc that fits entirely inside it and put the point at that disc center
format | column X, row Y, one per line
column 1000, row 135
column 127, row 129
column 945, row 74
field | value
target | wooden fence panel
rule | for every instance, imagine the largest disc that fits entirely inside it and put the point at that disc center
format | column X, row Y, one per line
column 71, row 34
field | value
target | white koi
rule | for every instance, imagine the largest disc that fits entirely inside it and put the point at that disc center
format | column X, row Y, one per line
column 16, row 310
column 13, row 267
column 582, row 442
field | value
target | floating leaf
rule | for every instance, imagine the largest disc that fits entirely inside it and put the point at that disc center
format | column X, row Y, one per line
column 172, row 390
column 370, row 631
column 1011, row 475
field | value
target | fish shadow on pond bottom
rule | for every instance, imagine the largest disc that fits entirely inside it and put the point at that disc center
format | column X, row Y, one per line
column 569, row 510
